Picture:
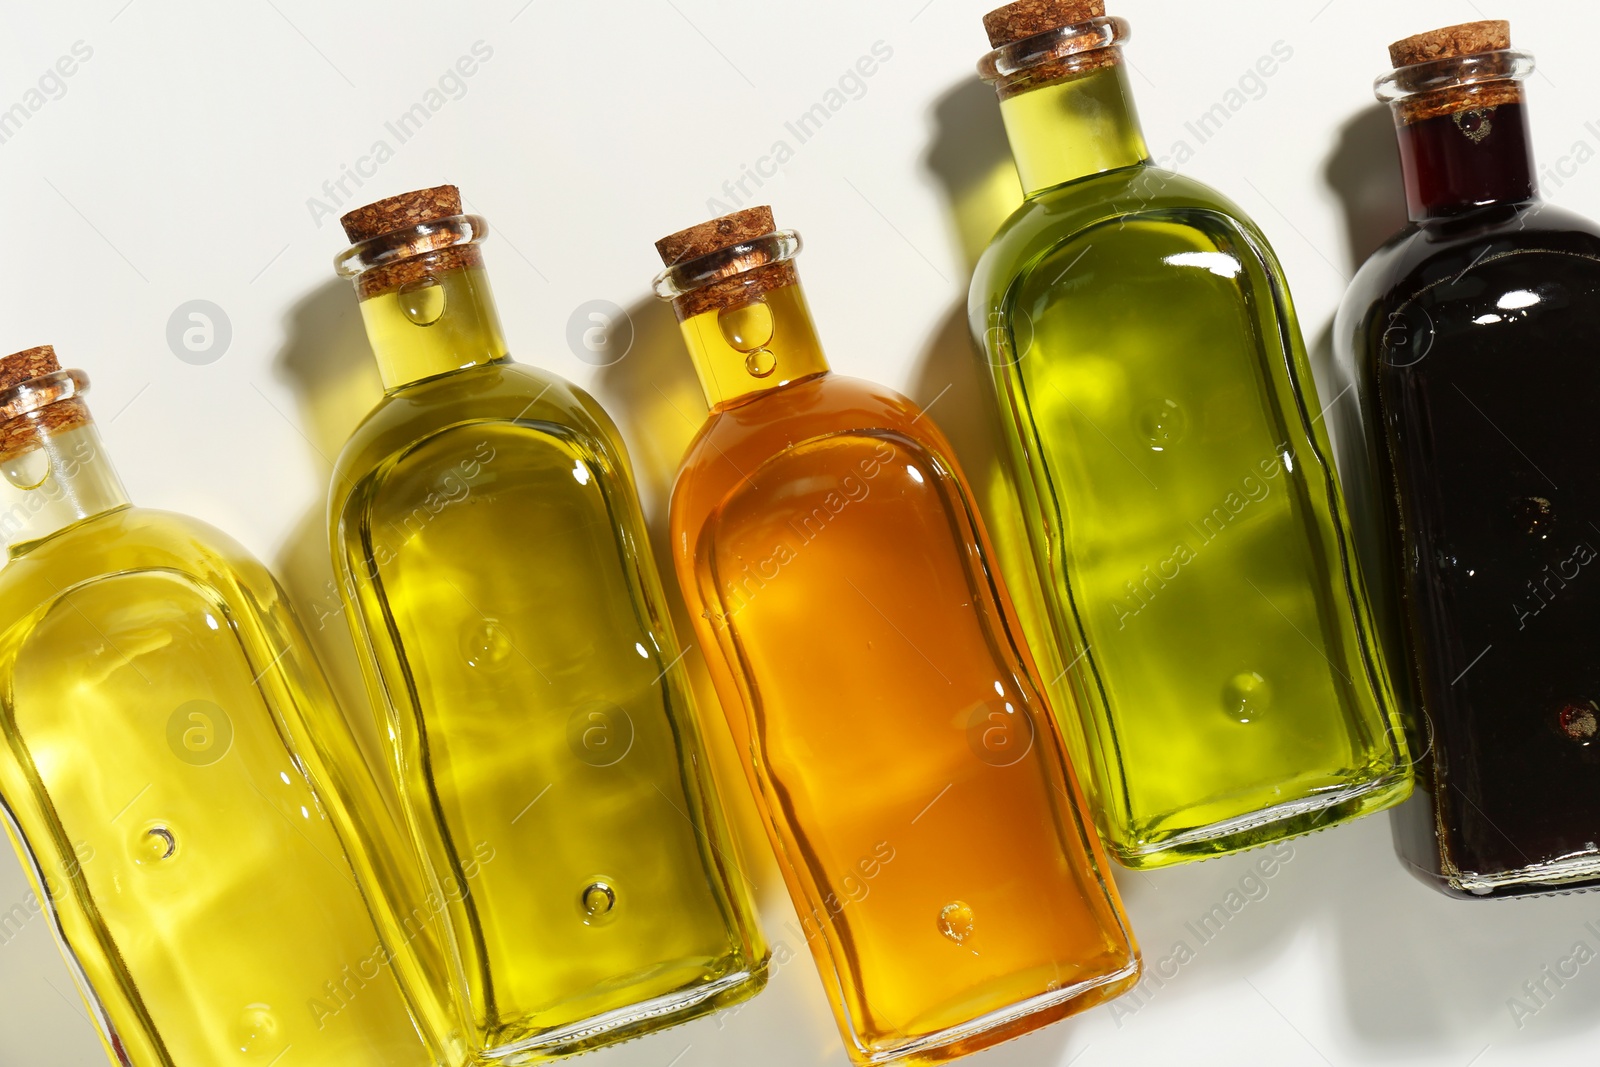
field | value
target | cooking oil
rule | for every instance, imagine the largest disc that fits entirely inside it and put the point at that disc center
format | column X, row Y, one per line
column 187, row 799
column 488, row 534
column 1165, row 433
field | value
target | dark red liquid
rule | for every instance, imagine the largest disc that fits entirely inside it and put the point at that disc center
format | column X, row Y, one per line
column 1473, row 336
column 1493, row 445
column 1466, row 160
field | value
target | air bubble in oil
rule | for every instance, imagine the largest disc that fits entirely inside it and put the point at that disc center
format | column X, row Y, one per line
column 597, row 902
column 1534, row 515
column 956, row 921
column 747, row 327
column 1246, row 696
column 422, row 301
column 487, row 646
column 155, row 844
column 257, row 1029
column 27, row 471
column 1162, row 424
column 1579, row 722
column 761, row 362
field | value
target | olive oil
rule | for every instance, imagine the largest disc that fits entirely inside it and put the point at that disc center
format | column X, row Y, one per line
column 487, row 531
column 1180, row 499
column 183, row 791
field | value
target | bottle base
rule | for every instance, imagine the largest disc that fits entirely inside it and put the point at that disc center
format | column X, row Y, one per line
column 1417, row 840
column 625, row 1024
column 1552, row 879
column 1000, row 1026
column 1277, row 823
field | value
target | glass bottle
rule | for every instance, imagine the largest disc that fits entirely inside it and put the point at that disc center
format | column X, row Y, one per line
column 894, row 729
column 489, row 542
column 1468, row 334
column 184, row 795
column 1176, row 481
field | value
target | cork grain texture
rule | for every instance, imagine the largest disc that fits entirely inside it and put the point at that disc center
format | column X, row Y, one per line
column 704, row 238
column 1451, row 42
column 1028, row 18
column 401, row 212
column 1467, row 39
column 24, row 433
column 29, row 363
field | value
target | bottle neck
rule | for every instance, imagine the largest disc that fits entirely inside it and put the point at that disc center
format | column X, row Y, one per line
column 67, row 478
column 753, row 348
column 1467, row 159
column 446, row 321
column 1081, row 125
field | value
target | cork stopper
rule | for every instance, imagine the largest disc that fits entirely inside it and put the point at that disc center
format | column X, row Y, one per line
column 1452, row 42
column 707, row 237
column 1028, row 18
column 1467, row 39
column 725, row 232
column 29, row 363
column 401, row 212
column 1068, row 56
column 25, row 432
column 397, row 214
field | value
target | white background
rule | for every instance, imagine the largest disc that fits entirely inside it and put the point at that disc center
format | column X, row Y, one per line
column 178, row 165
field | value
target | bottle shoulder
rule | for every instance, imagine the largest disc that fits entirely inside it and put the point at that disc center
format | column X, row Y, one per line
column 822, row 406
column 1425, row 255
column 130, row 540
column 1047, row 219
column 735, row 442
column 503, row 392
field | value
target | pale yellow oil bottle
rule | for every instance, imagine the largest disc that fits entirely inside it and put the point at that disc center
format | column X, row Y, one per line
column 181, row 788
column 489, row 537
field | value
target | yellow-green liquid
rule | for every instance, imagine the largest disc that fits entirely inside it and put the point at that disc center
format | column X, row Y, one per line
column 178, row 773
column 1181, row 504
column 486, row 522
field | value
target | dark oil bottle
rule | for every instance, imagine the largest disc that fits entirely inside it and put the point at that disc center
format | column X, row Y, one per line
column 1471, row 333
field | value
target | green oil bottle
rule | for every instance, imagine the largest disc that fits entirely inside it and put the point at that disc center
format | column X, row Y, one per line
column 1175, row 476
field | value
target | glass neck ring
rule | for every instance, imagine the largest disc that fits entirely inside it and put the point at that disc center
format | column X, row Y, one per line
column 1467, row 80
column 29, row 396
column 681, row 279
column 1054, row 54
column 367, row 262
